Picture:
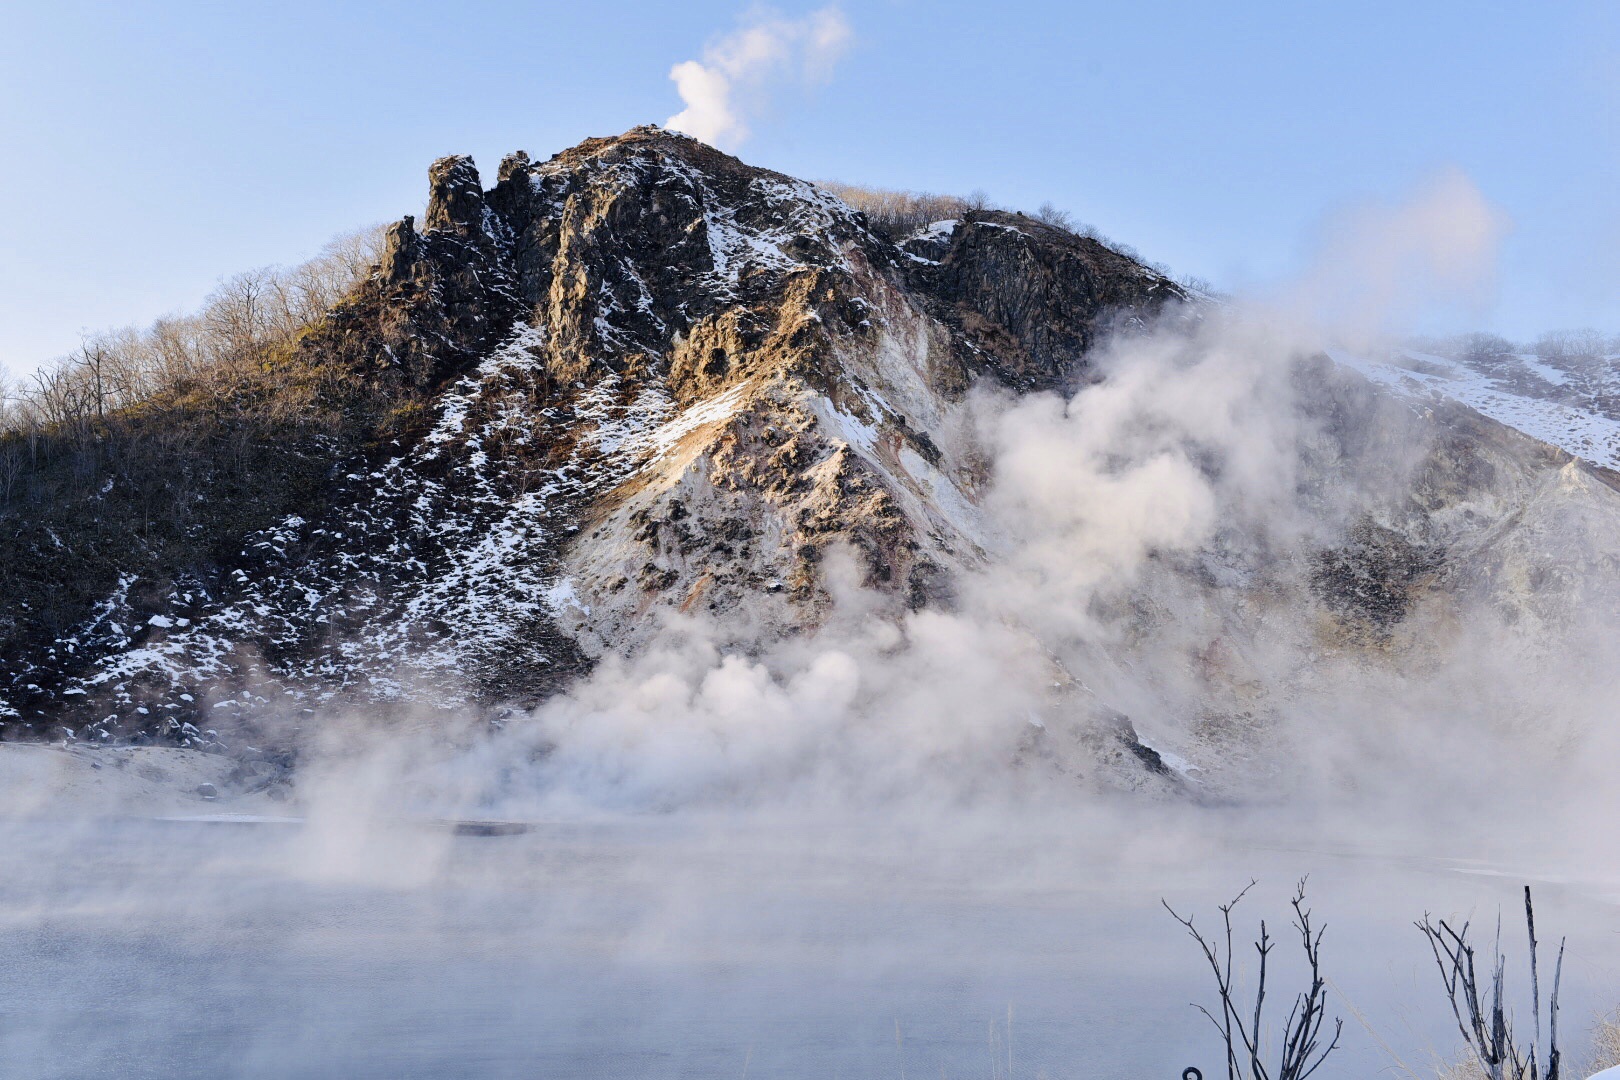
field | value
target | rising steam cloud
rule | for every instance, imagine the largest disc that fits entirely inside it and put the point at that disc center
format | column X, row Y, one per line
column 1150, row 543
column 726, row 89
column 1379, row 266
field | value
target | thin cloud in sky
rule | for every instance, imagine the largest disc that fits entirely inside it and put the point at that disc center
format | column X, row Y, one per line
column 737, row 73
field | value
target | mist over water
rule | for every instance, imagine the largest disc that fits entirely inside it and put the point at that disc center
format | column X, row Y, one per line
column 852, row 852
column 686, row 946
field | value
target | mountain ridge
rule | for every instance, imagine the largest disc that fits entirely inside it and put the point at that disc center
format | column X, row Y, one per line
column 598, row 297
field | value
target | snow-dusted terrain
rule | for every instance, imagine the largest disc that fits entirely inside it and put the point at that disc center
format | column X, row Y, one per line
column 1531, row 395
column 664, row 393
column 671, row 384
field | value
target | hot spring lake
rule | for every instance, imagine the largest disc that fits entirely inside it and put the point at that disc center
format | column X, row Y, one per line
column 674, row 947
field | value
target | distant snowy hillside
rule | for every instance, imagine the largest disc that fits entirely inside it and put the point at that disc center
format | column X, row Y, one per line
column 1565, row 408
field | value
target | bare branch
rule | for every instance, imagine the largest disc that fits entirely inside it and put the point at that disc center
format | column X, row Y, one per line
column 1488, row 1032
column 1301, row 1052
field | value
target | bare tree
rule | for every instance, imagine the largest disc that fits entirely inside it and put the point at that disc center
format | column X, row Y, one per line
column 13, row 459
column 178, row 350
column 349, row 257
column 896, row 213
column 1302, row 1052
column 238, row 314
column 1486, row 1026
column 1051, row 215
column 100, row 376
column 1489, row 351
column 51, row 398
column 12, row 450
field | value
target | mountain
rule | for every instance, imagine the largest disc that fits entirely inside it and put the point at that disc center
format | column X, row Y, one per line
column 643, row 379
column 651, row 376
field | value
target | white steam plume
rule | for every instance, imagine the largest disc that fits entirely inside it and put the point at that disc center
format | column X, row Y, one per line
column 725, row 89
column 1379, row 266
column 1158, row 533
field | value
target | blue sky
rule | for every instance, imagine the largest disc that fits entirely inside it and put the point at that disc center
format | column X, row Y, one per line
column 148, row 149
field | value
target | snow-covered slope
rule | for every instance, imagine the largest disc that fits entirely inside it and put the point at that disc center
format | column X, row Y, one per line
column 1531, row 395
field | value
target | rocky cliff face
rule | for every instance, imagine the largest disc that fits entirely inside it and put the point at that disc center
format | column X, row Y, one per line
column 648, row 379
column 651, row 378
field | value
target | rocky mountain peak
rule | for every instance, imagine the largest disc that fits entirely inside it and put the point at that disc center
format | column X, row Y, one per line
column 640, row 376
column 651, row 247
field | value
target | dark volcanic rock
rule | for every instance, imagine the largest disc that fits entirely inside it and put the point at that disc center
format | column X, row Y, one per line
column 400, row 251
column 455, row 196
column 1036, row 297
column 643, row 378
column 1373, row 575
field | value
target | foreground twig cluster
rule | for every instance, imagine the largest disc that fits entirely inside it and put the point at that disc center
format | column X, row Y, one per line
column 1302, row 1052
column 1483, row 1020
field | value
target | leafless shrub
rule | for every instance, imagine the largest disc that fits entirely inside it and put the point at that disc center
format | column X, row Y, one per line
column 1576, row 348
column 897, row 213
column 1062, row 219
column 1488, row 352
column 245, row 318
column 1198, row 286
column 1051, row 215
column 1241, row 1027
column 1605, row 1042
column 1468, row 1068
column 1484, row 1022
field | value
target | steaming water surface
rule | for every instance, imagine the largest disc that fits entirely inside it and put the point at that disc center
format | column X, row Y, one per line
column 674, row 947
